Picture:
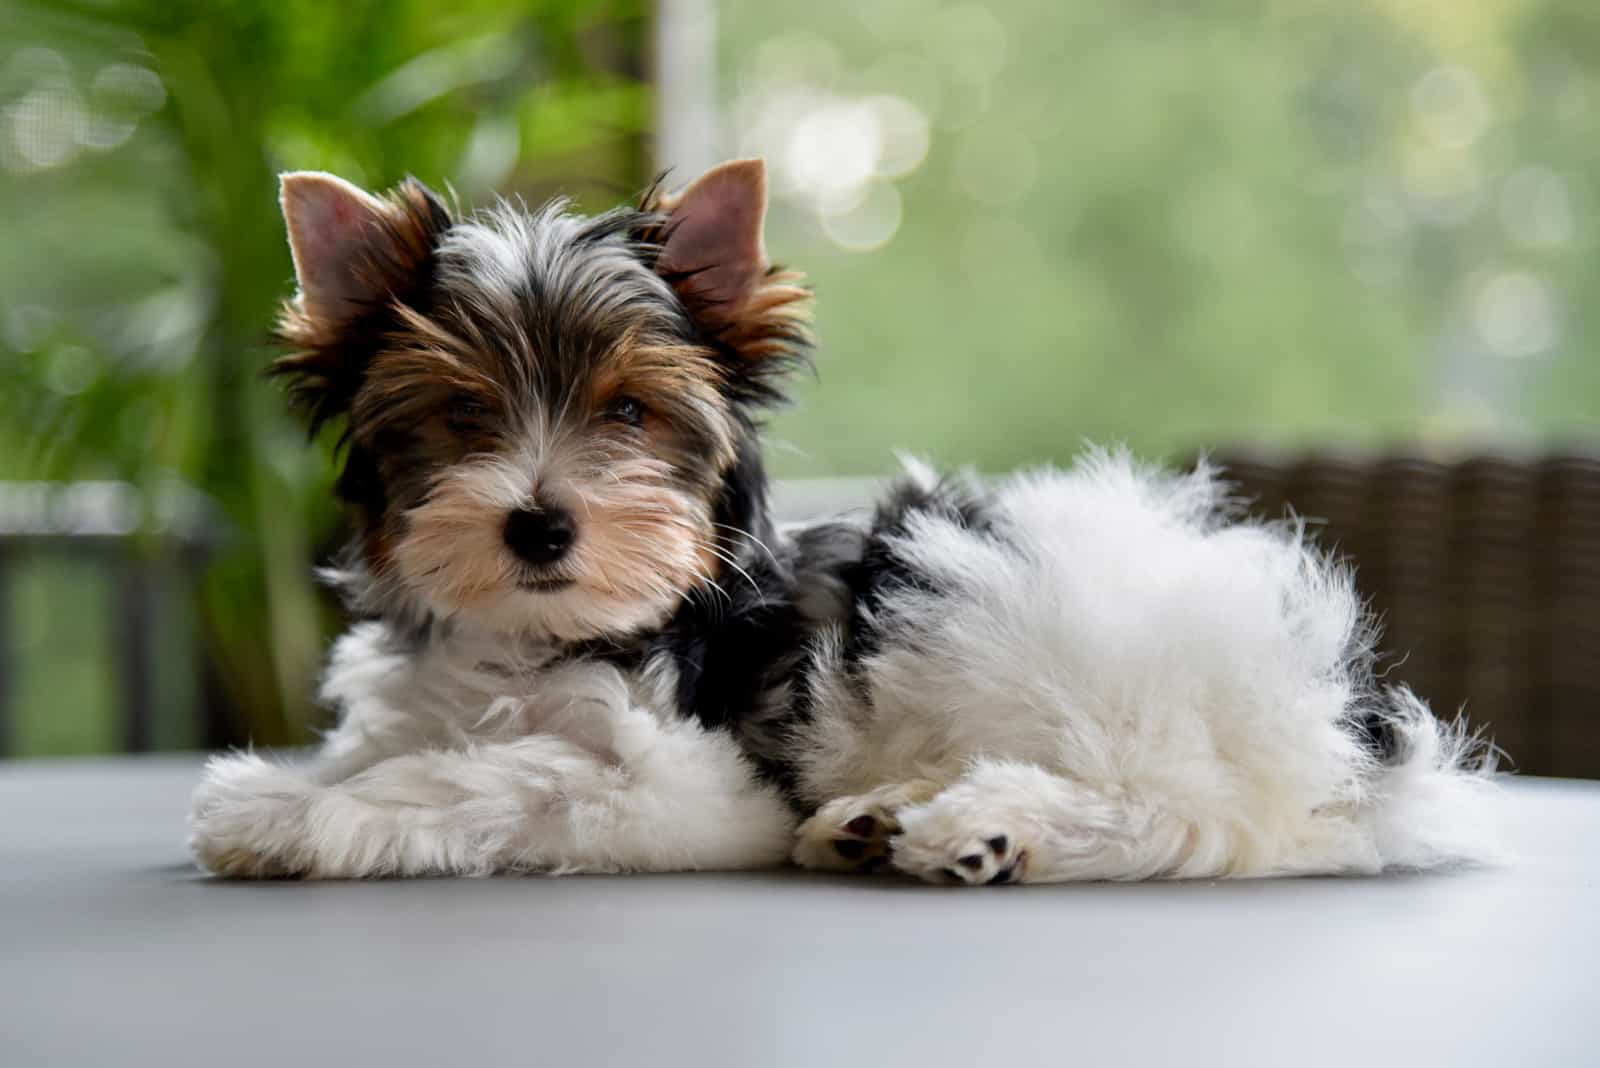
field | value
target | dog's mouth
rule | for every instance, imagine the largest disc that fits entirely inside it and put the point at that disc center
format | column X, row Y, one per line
column 544, row 585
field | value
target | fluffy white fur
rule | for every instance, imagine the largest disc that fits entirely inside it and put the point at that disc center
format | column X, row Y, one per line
column 478, row 756
column 1120, row 683
column 1115, row 682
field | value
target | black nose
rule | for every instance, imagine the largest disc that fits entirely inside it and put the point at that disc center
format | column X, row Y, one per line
column 539, row 535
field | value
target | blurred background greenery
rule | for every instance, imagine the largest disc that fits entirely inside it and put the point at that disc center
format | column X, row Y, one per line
column 1359, row 223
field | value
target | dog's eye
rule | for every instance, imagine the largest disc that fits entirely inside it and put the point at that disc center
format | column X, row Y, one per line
column 466, row 415
column 626, row 410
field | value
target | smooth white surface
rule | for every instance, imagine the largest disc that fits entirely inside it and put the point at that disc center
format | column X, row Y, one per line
column 114, row 950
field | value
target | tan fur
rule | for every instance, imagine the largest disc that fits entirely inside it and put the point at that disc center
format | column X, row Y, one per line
column 641, row 546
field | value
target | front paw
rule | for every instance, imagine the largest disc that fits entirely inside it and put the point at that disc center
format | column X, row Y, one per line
column 239, row 862
column 246, row 819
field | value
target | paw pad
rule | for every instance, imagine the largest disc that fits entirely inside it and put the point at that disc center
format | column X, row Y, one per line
column 864, row 841
column 850, row 848
column 990, row 861
column 848, row 840
column 862, row 826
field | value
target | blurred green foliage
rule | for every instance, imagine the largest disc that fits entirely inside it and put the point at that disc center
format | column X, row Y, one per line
column 144, row 257
column 1176, row 224
column 1185, row 224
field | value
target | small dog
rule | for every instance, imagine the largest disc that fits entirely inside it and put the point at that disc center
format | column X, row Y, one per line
column 586, row 647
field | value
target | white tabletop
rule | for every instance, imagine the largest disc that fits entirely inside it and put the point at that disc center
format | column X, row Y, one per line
column 115, row 951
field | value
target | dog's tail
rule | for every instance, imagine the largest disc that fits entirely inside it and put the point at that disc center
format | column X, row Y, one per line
column 1432, row 799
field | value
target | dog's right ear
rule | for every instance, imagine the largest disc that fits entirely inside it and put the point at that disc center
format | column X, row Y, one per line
column 355, row 255
column 351, row 249
column 333, row 228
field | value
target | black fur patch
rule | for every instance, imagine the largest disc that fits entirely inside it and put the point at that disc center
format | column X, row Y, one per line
column 882, row 571
column 737, row 652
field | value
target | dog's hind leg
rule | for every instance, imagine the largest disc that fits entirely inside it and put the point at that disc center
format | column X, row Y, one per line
column 854, row 833
column 665, row 796
column 1008, row 822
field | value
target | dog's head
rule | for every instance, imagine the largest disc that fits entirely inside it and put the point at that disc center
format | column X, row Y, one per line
column 544, row 412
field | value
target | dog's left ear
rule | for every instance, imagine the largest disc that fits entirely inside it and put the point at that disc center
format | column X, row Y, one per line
column 714, row 247
column 713, row 254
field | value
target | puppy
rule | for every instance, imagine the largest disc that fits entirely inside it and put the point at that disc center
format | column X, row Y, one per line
column 584, row 645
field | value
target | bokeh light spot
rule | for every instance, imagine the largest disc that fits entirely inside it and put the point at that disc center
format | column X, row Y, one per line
column 1515, row 314
column 1450, row 106
column 870, row 224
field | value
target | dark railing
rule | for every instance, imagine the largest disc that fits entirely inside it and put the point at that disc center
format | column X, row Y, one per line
column 147, row 552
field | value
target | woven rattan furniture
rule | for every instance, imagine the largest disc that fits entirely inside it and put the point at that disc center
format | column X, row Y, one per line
column 1486, row 574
